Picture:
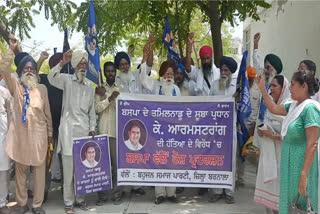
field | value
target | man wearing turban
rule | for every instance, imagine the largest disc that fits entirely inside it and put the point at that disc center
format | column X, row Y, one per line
column 255, row 97
column 272, row 67
column 181, row 79
column 77, row 117
column 225, row 86
column 30, row 129
column 206, row 74
column 164, row 87
column 128, row 81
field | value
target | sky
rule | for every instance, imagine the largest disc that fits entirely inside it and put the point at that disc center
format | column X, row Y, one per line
column 48, row 37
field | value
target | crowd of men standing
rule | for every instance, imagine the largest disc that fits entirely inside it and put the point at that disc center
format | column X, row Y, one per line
column 40, row 111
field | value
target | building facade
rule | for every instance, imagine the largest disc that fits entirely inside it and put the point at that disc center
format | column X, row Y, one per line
column 289, row 29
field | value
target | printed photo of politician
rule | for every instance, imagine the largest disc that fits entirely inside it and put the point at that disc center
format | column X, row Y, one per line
column 90, row 154
column 135, row 135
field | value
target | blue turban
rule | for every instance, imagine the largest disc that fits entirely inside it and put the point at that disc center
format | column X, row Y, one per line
column 229, row 62
column 119, row 56
column 182, row 69
column 23, row 63
column 19, row 57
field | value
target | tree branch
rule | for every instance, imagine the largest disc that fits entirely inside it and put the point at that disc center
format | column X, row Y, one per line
column 203, row 7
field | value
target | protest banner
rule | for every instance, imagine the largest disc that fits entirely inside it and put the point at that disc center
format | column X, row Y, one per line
column 176, row 141
column 91, row 159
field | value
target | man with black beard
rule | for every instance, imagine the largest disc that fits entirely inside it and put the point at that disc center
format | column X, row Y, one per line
column 78, row 117
column 207, row 74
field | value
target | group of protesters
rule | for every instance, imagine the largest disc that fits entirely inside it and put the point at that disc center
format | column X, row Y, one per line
column 41, row 111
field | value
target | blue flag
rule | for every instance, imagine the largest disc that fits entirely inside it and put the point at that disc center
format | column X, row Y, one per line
column 167, row 38
column 92, row 48
column 243, row 104
column 67, row 68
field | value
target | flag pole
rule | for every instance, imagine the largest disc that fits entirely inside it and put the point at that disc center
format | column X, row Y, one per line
column 99, row 73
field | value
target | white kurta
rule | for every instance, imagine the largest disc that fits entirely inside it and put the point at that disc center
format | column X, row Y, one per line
column 201, row 87
column 257, row 64
column 78, row 115
column 227, row 92
column 107, row 111
column 153, row 85
column 267, row 192
column 134, row 86
column 188, row 88
column 5, row 103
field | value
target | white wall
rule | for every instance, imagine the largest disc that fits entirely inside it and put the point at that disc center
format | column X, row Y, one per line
column 291, row 30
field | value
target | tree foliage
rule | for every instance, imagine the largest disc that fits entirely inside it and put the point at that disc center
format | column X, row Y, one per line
column 125, row 19
column 17, row 15
column 131, row 21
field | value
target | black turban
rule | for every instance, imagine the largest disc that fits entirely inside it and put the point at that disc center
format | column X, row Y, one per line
column 19, row 57
column 119, row 56
column 229, row 62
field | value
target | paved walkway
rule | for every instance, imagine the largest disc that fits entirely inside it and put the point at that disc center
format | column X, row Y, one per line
column 190, row 202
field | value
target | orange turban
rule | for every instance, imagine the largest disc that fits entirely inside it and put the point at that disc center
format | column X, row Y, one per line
column 251, row 72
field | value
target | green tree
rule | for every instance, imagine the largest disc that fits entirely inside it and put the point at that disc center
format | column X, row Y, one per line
column 16, row 16
column 140, row 17
column 123, row 20
column 221, row 11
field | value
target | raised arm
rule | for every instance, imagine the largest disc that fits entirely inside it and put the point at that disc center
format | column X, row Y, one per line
column 146, row 81
column 150, row 55
column 257, row 63
column 5, row 67
column 55, row 77
column 189, row 50
column 271, row 106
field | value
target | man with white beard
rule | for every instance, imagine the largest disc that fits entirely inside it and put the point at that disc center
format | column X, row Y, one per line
column 78, row 117
column 164, row 87
column 30, row 130
column 128, row 81
column 225, row 86
column 272, row 67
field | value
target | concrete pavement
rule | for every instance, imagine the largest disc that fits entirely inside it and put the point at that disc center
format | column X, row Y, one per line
column 190, row 201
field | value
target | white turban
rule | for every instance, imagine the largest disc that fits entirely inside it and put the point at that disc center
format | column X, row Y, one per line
column 77, row 56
